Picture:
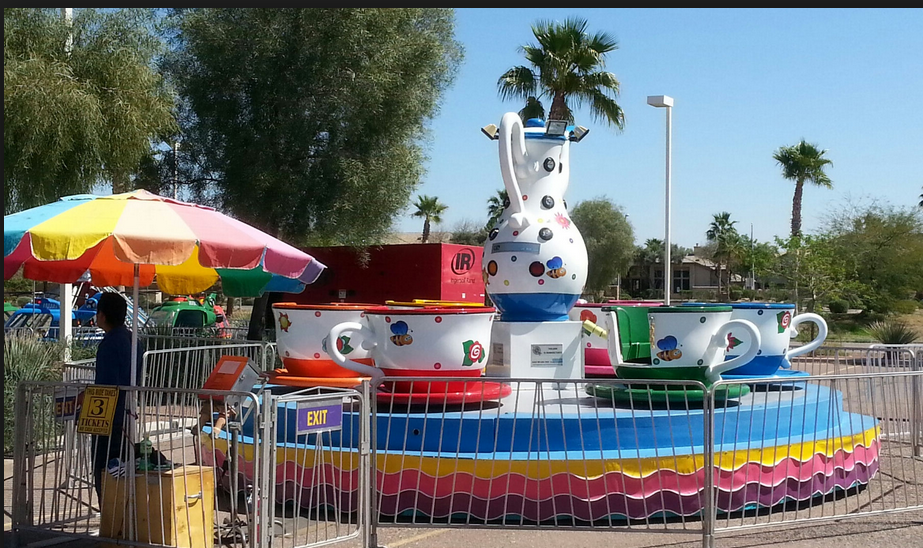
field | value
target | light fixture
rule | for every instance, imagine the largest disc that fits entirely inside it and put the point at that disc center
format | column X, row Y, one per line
column 491, row 131
column 578, row 133
column 556, row 128
column 660, row 101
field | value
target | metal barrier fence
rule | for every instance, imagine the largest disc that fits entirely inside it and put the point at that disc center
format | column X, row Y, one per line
column 588, row 454
column 563, row 455
column 320, row 488
column 857, row 454
column 180, row 494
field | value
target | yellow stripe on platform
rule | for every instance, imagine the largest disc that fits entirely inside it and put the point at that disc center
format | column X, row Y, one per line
column 487, row 468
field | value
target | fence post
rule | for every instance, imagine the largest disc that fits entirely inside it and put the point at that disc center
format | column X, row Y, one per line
column 366, row 487
column 709, row 515
column 916, row 393
column 22, row 492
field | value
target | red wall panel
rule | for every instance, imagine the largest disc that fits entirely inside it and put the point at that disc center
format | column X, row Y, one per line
column 400, row 272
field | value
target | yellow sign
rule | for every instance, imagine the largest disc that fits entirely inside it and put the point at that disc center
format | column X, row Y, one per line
column 98, row 410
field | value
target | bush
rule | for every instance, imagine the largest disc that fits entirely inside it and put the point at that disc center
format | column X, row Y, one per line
column 905, row 307
column 27, row 358
column 838, row 306
column 892, row 332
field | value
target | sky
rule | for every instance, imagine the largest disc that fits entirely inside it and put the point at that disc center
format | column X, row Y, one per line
column 745, row 82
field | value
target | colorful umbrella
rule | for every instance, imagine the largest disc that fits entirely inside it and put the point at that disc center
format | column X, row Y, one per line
column 185, row 247
column 137, row 237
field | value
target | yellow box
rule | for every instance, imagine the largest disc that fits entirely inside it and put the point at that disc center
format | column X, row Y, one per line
column 174, row 507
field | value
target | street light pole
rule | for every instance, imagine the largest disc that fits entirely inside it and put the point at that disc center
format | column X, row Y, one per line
column 664, row 101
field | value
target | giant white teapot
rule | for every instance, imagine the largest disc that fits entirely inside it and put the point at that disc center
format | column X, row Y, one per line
column 535, row 260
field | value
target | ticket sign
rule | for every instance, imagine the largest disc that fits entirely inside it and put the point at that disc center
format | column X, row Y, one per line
column 97, row 410
column 67, row 402
column 319, row 416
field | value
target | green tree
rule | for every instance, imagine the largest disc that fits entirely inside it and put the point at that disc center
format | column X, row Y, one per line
column 311, row 120
column 726, row 240
column 496, row 204
column 82, row 101
column 884, row 246
column 802, row 163
column 756, row 257
column 819, row 266
column 431, row 209
column 610, row 242
column 567, row 66
column 468, row 232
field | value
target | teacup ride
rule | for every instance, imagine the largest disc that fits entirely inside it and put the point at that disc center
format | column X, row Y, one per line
column 778, row 325
column 630, row 321
column 687, row 344
column 301, row 341
column 552, row 452
column 428, row 342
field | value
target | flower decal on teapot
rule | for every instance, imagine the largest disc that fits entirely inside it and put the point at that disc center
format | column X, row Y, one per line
column 284, row 322
column 474, row 352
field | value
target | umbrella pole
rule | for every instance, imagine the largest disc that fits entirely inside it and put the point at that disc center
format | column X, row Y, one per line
column 134, row 325
column 133, row 425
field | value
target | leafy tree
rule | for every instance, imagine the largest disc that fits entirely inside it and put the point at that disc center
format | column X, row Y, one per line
column 609, row 241
column 567, row 65
column 311, row 120
column 802, row 163
column 496, row 204
column 82, row 101
column 431, row 209
column 884, row 246
column 726, row 240
column 468, row 233
column 819, row 266
column 757, row 257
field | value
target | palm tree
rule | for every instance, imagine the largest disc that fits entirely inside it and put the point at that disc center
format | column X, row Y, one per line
column 722, row 233
column 495, row 206
column 431, row 210
column 802, row 163
column 566, row 65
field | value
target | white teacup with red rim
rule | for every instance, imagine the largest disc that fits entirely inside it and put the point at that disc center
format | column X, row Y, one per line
column 301, row 338
column 433, row 342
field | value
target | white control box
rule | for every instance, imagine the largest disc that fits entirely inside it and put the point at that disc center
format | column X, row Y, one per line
column 536, row 350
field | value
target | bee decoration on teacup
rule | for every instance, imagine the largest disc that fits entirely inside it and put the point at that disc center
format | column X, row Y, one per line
column 556, row 267
column 668, row 349
column 401, row 336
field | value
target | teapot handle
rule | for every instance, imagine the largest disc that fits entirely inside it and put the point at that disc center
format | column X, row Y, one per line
column 512, row 152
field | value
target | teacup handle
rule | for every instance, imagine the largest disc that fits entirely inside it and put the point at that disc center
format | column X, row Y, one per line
column 811, row 346
column 340, row 359
column 719, row 343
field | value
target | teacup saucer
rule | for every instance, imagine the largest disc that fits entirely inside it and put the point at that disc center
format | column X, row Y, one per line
column 475, row 392
column 281, row 376
column 624, row 395
column 780, row 374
